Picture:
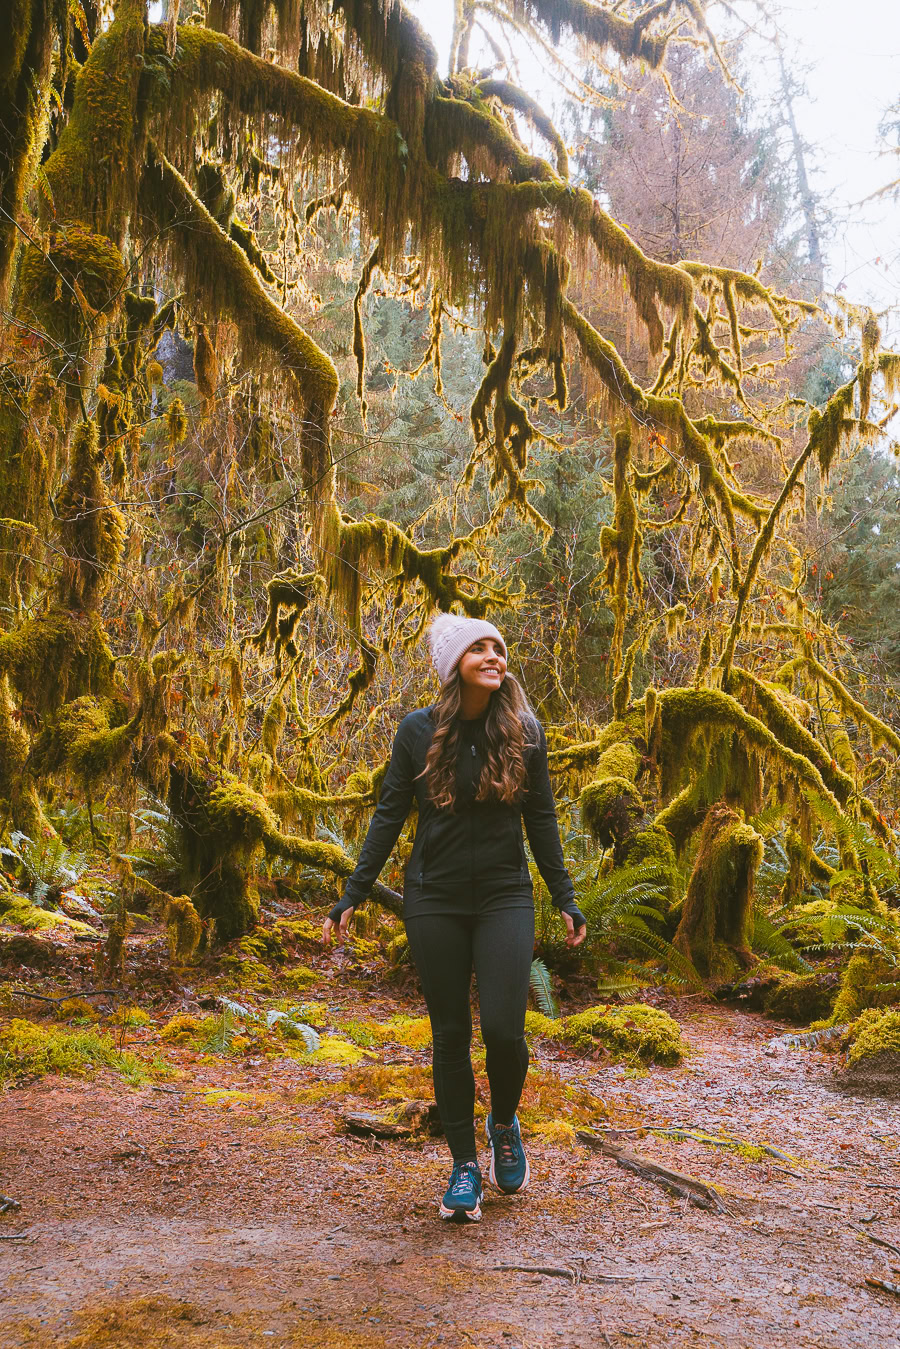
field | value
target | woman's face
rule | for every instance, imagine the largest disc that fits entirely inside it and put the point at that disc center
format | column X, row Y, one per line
column 483, row 666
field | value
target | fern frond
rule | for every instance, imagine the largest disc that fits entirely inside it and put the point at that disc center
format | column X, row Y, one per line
column 680, row 970
column 542, row 989
column 768, row 940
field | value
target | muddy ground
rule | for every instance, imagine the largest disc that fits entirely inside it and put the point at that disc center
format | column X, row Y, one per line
column 168, row 1216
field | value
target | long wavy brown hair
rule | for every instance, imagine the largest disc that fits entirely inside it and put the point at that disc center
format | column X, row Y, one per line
column 510, row 728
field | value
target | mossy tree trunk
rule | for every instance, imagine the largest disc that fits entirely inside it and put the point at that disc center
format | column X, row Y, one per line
column 716, row 924
column 24, row 78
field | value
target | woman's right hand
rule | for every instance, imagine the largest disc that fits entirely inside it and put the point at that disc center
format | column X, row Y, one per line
column 338, row 930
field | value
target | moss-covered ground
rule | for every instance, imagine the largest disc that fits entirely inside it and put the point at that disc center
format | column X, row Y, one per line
column 185, row 1177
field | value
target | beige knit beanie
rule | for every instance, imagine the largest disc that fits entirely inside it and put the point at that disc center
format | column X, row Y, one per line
column 451, row 635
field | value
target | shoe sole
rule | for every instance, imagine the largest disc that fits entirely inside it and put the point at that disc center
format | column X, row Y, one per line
column 471, row 1215
column 492, row 1175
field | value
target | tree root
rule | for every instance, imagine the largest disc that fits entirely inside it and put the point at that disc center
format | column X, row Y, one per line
column 697, row 1192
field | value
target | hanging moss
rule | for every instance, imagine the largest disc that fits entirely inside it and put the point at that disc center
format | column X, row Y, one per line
column 224, row 827
column 608, row 807
column 714, row 931
column 613, row 811
column 880, row 733
column 91, row 738
column 176, row 423
column 292, row 592
column 776, row 709
column 55, row 658
column 688, row 718
column 28, row 461
column 92, row 528
column 829, row 428
column 24, row 72
column 512, row 97
column 273, row 725
column 352, row 547
column 704, row 659
column 359, row 338
column 18, row 798
column 71, row 289
column 685, row 813
column 668, row 413
column 220, row 276
column 184, row 927
column 206, row 363
column 620, row 545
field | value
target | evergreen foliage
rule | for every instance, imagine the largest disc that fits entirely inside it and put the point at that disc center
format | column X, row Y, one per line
column 307, row 340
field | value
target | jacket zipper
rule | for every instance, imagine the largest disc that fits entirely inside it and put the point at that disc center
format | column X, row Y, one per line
column 471, row 834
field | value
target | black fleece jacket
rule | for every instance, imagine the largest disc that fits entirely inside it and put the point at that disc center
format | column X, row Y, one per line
column 478, row 843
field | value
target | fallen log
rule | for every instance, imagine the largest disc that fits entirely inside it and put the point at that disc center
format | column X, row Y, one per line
column 697, row 1192
column 412, row 1117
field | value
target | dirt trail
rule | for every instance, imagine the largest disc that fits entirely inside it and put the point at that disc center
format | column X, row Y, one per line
column 200, row 1227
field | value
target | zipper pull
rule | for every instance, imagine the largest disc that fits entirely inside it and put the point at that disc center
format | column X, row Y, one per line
column 473, row 751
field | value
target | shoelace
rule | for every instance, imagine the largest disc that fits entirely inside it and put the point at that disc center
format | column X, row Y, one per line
column 465, row 1180
column 507, row 1142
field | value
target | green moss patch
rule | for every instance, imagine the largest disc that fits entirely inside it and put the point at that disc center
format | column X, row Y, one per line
column 27, row 1049
column 633, row 1030
column 414, row 1032
column 869, row 980
column 342, row 1053
column 17, row 911
column 875, row 1032
column 802, row 998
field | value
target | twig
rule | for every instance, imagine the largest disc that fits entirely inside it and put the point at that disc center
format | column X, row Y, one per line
column 550, row 1270
column 8, row 1205
column 10, row 1236
column 625, row 1278
column 883, row 1285
column 697, row 1192
column 880, row 1241
column 68, row 997
column 714, row 1141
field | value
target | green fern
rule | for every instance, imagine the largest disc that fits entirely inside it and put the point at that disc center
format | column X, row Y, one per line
column 769, row 940
column 626, row 906
column 879, row 866
column 542, row 989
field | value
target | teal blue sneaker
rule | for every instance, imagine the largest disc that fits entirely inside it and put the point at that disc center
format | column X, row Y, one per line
column 510, row 1171
column 463, row 1196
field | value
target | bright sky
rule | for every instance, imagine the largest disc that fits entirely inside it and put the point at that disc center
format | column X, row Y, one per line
column 852, row 50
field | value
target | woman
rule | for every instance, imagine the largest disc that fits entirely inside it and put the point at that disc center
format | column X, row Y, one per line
column 476, row 763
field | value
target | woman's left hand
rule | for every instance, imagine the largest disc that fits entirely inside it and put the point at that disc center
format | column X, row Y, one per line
column 573, row 937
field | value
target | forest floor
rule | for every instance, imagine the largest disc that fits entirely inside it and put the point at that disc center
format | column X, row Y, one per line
column 222, row 1205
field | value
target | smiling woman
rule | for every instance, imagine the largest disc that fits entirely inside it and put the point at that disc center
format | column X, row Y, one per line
column 476, row 763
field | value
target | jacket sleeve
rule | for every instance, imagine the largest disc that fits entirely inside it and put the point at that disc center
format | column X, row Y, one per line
column 539, row 816
column 388, row 820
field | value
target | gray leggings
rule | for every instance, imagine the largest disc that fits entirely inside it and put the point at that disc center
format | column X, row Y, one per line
column 445, row 948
